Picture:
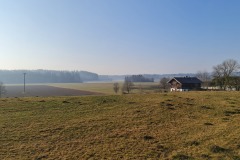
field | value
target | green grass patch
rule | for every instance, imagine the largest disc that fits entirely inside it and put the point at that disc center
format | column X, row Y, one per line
column 107, row 88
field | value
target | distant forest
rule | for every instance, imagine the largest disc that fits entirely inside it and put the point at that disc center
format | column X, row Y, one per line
column 138, row 78
column 46, row 76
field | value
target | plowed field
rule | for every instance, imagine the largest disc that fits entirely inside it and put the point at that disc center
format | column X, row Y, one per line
column 44, row 91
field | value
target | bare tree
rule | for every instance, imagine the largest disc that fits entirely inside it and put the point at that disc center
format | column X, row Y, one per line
column 234, row 82
column 204, row 77
column 224, row 71
column 127, row 85
column 116, row 87
column 2, row 89
column 164, row 83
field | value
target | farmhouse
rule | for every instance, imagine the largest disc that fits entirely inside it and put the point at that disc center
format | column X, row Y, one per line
column 184, row 83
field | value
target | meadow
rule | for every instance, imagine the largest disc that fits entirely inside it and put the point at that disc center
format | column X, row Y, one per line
column 189, row 125
column 74, row 89
column 107, row 87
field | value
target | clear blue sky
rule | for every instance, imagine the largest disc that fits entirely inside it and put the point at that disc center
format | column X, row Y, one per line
column 119, row 36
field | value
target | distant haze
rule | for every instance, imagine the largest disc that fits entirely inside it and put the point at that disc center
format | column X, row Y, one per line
column 111, row 37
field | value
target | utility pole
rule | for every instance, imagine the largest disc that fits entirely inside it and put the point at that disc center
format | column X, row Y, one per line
column 24, row 81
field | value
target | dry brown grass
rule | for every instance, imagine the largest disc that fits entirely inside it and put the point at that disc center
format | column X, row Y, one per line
column 191, row 125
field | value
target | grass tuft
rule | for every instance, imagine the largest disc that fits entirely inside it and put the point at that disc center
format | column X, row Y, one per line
column 65, row 102
column 218, row 149
column 205, row 156
column 194, row 143
column 208, row 124
column 182, row 157
column 228, row 113
column 206, row 107
column 148, row 137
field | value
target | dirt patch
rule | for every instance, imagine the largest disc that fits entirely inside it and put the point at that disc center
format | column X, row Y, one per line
column 44, row 91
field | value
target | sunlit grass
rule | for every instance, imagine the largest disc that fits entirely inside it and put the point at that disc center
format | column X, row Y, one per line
column 190, row 125
column 107, row 88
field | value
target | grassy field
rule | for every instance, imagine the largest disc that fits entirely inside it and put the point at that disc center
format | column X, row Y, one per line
column 190, row 125
column 107, row 88
column 74, row 89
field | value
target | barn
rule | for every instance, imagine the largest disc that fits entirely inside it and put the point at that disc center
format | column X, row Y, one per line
column 185, row 83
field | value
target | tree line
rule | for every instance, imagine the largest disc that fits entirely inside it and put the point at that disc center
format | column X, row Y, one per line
column 138, row 78
column 225, row 76
column 46, row 76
